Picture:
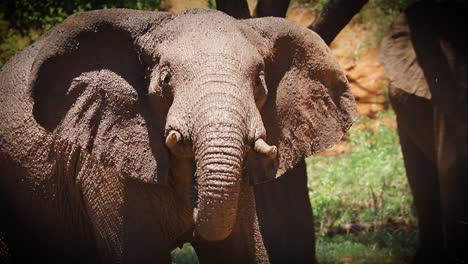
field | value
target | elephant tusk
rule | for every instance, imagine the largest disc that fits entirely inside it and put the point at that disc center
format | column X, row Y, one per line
column 195, row 214
column 195, row 217
column 261, row 146
column 173, row 138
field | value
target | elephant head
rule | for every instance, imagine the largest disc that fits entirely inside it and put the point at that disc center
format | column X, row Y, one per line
column 134, row 89
column 427, row 58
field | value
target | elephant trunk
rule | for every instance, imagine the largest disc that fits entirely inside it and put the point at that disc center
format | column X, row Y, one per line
column 219, row 150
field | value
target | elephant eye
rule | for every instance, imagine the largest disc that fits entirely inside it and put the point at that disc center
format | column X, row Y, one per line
column 260, row 91
column 164, row 83
column 164, row 78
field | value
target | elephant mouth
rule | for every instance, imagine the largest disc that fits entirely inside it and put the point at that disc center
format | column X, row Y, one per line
column 193, row 195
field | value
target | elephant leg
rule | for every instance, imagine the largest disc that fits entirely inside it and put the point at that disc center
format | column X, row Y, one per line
column 245, row 244
column 415, row 129
column 452, row 160
column 17, row 244
column 144, row 237
column 422, row 178
column 285, row 217
column 5, row 255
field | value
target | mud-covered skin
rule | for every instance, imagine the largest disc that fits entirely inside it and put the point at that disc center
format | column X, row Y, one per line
column 88, row 174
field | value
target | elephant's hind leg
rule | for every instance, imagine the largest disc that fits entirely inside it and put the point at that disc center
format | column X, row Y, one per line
column 424, row 184
column 415, row 128
column 452, row 160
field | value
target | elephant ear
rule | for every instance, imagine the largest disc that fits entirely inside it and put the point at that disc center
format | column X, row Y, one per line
column 309, row 106
column 88, row 88
column 400, row 61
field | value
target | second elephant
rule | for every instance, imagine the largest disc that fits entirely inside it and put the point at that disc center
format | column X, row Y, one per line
column 425, row 55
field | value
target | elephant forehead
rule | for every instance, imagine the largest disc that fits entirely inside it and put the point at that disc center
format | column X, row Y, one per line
column 200, row 20
column 219, row 63
column 191, row 59
column 207, row 41
column 202, row 29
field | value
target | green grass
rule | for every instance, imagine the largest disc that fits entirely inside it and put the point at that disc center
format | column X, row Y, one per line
column 376, row 17
column 367, row 247
column 366, row 186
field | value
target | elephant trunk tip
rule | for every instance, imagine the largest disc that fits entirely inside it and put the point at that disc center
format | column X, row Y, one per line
column 211, row 234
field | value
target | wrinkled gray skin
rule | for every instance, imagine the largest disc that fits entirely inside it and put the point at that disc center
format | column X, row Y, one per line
column 107, row 118
column 426, row 57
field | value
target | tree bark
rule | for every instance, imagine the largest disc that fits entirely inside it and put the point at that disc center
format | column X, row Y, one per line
column 334, row 17
column 276, row 8
column 235, row 8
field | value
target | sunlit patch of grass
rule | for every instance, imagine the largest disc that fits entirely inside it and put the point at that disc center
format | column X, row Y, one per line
column 368, row 247
column 384, row 246
column 367, row 185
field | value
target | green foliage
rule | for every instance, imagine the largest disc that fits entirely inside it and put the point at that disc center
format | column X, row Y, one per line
column 24, row 15
column 381, row 14
column 212, row 4
column 22, row 21
column 392, row 7
column 315, row 6
column 367, row 184
column 184, row 255
column 318, row 5
column 10, row 43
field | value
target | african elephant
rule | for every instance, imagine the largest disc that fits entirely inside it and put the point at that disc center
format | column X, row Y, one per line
column 125, row 133
column 425, row 57
column 426, row 61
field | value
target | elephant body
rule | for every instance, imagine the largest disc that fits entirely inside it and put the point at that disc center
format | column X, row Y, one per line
column 125, row 133
column 64, row 203
column 425, row 56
